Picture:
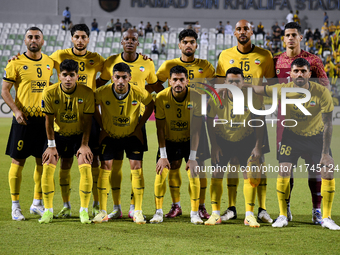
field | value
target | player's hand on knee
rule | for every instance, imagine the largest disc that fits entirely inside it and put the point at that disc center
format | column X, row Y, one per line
column 256, row 153
column 192, row 166
column 85, row 154
column 15, row 57
column 161, row 164
column 20, row 117
column 216, row 152
column 50, row 156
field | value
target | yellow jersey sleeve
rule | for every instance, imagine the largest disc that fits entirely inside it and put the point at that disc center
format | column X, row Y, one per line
column 11, row 73
column 46, row 102
column 163, row 72
column 159, row 108
column 326, row 102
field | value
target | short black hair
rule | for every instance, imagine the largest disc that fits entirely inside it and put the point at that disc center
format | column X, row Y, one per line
column 234, row 70
column 293, row 25
column 121, row 67
column 34, row 29
column 300, row 62
column 80, row 27
column 187, row 32
column 69, row 65
column 178, row 70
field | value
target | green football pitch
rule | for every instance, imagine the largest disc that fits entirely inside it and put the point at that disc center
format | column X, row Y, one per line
column 173, row 236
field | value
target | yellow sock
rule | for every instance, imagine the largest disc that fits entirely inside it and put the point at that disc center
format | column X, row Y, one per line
column 14, row 179
column 194, row 191
column 203, row 184
column 249, row 195
column 160, row 188
column 95, row 174
column 138, row 187
column 65, row 184
column 262, row 191
column 103, row 188
column 216, row 190
column 85, row 185
column 283, row 190
column 116, row 180
column 37, row 182
column 47, row 185
column 327, row 193
column 175, row 181
column 232, row 184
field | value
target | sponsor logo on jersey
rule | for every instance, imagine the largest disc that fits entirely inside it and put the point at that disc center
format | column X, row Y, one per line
column 178, row 125
column 134, row 102
column 80, row 101
column 38, row 86
column 200, row 70
column 231, row 61
column 190, row 106
column 142, row 69
column 25, row 67
column 257, row 61
column 91, row 62
column 121, row 121
column 48, row 67
column 312, row 103
column 68, row 117
column 82, row 79
column 248, row 78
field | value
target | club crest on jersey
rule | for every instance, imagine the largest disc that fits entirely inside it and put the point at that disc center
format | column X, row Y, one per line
column 91, row 62
column 48, row 67
column 231, row 61
column 257, row 61
column 25, row 67
column 134, row 102
column 80, row 101
column 190, row 106
column 200, row 70
column 142, row 69
column 312, row 103
column 167, row 106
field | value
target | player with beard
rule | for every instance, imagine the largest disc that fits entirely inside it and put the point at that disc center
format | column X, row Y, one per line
column 198, row 70
column 256, row 64
column 29, row 74
column 90, row 63
column 141, row 70
column 292, row 39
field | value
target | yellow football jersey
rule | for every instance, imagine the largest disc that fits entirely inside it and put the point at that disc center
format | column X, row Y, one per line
column 320, row 102
column 120, row 116
column 30, row 77
column 68, row 109
column 89, row 65
column 233, row 131
column 256, row 64
column 141, row 70
column 198, row 70
column 177, row 114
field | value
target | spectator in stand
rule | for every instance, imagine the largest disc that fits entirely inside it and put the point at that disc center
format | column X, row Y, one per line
column 275, row 27
column 310, row 45
column 94, row 25
column 190, row 27
column 118, row 26
column 148, row 28
column 260, row 29
column 324, row 30
column 338, row 26
column 165, row 27
column 126, row 25
column 296, row 17
column 282, row 27
column 290, row 17
column 309, row 34
column 228, row 29
column 331, row 28
column 158, row 28
column 154, row 48
column 110, row 26
column 316, row 35
column 204, row 39
column 197, row 27
column 141, row 26
column 140, row 32
column 325, row 18
column 70, row 25
column 219, row 28
column 163, row 49
column 134, row 29
column 252, row 26
column 67, row 16
column 62, row 25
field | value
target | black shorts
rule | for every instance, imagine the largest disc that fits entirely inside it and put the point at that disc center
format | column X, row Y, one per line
column 265, row 141
column 94, row 137
column 67, row 146
column 176, row 151
column 29, row 140
column 112, row 148
column 294, row 146
column 240, row 149
column 203, row 151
